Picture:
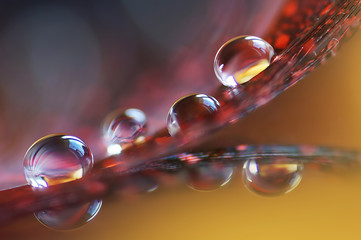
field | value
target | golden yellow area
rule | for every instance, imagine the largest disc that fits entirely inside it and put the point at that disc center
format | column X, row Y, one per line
column 77, row 174
column 247, row 74
column 63, row 179
column 267, row 169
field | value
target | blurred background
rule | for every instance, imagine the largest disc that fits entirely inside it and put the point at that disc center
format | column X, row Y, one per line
column 64, row 65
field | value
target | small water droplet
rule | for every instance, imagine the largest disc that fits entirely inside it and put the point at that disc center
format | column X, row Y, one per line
column 207, row 176
column 333, row 46
column 138, row 183
column 69, row 218
column 189, row 111
column 242, row 58
column 272, row 176
column 124, row 126
column 56, row 159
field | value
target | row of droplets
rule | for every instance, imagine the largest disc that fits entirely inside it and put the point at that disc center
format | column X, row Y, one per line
column 59, row 158
column 236, row 62
column 270, row 176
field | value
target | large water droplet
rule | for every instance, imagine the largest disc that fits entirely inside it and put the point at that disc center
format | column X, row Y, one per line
column 124, row 126
column 56, row 159
column 68, row 218
column 189, row 111
column 242, row 58
column 272, row 176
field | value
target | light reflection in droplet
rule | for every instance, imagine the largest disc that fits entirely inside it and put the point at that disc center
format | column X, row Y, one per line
column 114, row 149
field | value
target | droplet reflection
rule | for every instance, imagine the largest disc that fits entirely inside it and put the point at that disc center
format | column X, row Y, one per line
column 57, row 159
column 137, row 184
column 272, row 176
column 207, row 176
column 70, row 217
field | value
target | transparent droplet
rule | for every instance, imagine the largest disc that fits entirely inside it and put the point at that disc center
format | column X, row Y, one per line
column 272, row 176
column 68, row 218
column 242, row 58
column 207, row 176
column 138, row 183
column 189, row 111
column 124, row 126
column 56, row 159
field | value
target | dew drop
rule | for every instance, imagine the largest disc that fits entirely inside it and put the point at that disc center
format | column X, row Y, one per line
column 272, row 176
column 207, row 176
column 189, row 111
column 137, row 184
column 242, row 58
column 122, row 127
column 56, row 159
column 69, row 218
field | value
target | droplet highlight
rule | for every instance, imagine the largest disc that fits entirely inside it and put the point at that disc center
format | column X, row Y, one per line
column 56, row 159
column 190, row 111
column 241, row 58
column 272, row 176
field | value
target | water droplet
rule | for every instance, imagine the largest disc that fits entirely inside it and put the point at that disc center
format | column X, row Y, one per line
column 207, row 176
column 272, row 176
column 189, row 111
column 138, row 183
column 56, row 159
column 124, row 126
column 242, row 58
column 70, row 217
